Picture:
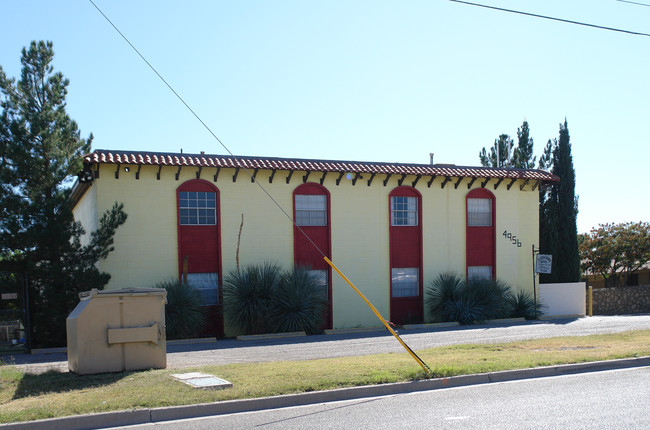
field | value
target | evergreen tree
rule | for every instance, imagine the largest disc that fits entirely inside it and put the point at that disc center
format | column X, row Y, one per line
column 523, row 154
column 41, row 150
column 558, row 214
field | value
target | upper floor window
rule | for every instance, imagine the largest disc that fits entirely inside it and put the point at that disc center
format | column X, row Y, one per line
column 311, row 210
column 479, row 212
column 403, row 210
column 197, row 208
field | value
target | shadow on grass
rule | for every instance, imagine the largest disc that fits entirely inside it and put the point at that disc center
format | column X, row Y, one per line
column 54, row 381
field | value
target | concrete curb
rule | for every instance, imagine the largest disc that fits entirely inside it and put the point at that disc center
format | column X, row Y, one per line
column 144, row 416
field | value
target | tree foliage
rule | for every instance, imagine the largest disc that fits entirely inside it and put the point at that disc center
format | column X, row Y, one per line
column 559, row 211
column 509, row 155
column 616, row 250
column 40, row 152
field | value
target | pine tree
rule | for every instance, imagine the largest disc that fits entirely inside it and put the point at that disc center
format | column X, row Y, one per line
column 41, row 151
column 523, row 154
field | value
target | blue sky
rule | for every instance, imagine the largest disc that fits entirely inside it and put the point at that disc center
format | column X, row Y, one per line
column 359, row 80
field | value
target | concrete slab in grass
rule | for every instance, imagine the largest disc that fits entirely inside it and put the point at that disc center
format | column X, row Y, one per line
column 202, row 380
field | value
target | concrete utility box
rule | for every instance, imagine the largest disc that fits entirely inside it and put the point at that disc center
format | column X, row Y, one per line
column 116, row 330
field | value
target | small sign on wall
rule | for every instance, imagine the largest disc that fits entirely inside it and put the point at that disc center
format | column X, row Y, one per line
column 9, row 296
column 543, row 263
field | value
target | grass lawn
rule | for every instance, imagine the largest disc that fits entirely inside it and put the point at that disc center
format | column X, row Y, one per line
column 26, row 397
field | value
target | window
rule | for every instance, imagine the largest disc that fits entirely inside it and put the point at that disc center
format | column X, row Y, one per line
column 320, row 279
column 311, row 210
column 405, row 282
column 479, row 272
column 403, row 210
column 206, row 284
column 197, row 208
column 479, row 212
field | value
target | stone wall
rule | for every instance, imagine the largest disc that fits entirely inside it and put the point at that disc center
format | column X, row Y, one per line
column 622, row 300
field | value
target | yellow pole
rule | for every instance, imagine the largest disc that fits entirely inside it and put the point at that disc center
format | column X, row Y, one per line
column 591, row 300
column 384, row 322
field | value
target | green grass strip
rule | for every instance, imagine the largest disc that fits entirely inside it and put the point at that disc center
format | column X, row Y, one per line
column 25, row 397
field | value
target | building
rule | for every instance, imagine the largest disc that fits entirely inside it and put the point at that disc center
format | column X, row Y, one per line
column 390, row 227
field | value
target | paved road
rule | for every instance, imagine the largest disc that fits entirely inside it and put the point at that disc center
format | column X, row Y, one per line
column 611, row 399
column 328, row 346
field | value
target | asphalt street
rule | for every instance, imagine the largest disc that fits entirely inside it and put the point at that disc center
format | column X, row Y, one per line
column 610, row 399
column 354, row 344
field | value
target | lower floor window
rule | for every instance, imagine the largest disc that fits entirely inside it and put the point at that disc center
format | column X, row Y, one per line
column 405, row 282
column 479, row 272
column 320, row 279
column 207, row 285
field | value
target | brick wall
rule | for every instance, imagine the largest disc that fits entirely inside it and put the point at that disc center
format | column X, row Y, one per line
column 622, row 300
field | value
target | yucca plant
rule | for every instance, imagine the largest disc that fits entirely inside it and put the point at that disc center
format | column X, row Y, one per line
column 444, row 289
column 247, row 296
column 184, row 313
column 298, row 303
column 490, row 295
column 522, row 305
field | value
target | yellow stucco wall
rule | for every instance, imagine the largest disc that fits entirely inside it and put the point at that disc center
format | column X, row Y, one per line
column 146, row 245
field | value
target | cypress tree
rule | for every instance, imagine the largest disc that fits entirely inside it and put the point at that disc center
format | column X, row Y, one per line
column 558, row 214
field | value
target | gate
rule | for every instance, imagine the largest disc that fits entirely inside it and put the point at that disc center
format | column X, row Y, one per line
column 14, row 313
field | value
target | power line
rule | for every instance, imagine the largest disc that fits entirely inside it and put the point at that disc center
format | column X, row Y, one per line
column 568, row 21
column 633, row 2
column 329, row 262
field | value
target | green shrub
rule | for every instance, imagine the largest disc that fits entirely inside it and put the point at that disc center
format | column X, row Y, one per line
column 265, row 299
column 451, row 298
column 184, row 313
column 443, row 290
column 298, row 303
column 522, row 305
column 247, row 296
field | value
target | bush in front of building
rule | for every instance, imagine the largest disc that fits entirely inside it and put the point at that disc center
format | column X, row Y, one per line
column 184, row 314
column 247, row 296
column 267, row 299
column 298, row 303
column 451, row 298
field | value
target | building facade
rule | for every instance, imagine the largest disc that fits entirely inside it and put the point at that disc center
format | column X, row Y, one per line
column 390, row 227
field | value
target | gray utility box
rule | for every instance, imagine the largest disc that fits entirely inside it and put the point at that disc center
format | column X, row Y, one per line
column 116, row 330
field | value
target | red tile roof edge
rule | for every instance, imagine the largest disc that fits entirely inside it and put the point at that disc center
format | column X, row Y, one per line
column 101, row 156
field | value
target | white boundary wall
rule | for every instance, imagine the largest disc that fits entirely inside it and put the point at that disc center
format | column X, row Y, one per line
column 563, row 299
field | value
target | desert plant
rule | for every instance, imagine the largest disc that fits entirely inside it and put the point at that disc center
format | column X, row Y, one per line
column 184, row 313
column 490, row 295
column 451, row 298
column 522, row 305
column 444, row 289
column 247, row 296
column 298, row 303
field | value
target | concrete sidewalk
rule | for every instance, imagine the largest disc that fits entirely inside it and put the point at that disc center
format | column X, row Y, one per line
column 145, row 416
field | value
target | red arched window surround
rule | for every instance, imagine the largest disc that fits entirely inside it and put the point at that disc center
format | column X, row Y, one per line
column 199, row 244
column 405, row 244
column 313, row 218
column 480, row 231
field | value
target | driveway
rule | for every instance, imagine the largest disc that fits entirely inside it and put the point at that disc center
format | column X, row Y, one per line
column 353, row 344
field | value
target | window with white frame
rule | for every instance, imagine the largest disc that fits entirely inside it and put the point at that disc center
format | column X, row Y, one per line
column 479, row 212
column 479, row 272
column 320, row 279
column 207, row 285
column 311, row 210
column 197, row 208
column 403, row 211
column 405, row 282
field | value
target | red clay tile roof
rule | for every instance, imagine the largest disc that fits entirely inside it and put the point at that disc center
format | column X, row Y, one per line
column 101, row 156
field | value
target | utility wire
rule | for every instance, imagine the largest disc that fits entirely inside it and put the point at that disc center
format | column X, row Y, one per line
column 250, row 175
column 633, row 2
column 568, row 21
column 384, row 321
